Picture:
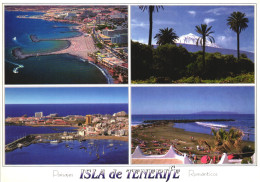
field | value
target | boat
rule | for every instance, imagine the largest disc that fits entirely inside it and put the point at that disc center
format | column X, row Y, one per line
column 111, row 144
column 54, row 141
column 19, row 145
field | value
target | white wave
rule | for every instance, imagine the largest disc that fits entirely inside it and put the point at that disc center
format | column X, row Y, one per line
column 17, row 42
column 212, row 125
column 15, row 70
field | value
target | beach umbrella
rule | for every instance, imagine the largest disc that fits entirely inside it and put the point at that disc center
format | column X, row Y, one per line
column 205, row 159
column 231, row 156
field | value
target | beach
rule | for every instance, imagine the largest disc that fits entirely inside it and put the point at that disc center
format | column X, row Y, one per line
column 157, row 139
column 80, row 46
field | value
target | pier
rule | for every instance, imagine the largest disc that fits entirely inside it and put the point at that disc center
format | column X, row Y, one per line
column 21, row 142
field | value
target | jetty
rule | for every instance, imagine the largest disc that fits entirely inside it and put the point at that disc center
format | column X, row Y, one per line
column 184, row 121
column 21, row 142
column 79, row 46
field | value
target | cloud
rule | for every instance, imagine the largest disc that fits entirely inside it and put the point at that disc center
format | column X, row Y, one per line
column 193, row 13
column 225, row 41
column 143, row 41
column 163, row 22
column 217, row 11
column 208, row 20
column 142, row 25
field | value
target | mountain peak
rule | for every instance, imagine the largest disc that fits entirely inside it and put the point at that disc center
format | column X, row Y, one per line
column 192, row 39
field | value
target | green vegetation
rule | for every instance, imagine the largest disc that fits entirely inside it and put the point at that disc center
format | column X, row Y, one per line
column 166, row 36
column 99, row 45
column 225, row 141
column 174, row 64
column 169, row 63
column 101, row 27
column 184, row 141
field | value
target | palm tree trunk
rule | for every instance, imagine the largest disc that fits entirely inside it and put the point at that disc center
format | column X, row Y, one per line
column 238, row 53
column 203, row 49
column 151, row 26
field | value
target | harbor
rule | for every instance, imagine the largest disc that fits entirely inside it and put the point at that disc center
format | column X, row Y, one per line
column 54, row 138
column 54, row 147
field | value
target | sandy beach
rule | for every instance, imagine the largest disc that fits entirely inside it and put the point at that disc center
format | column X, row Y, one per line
column 166, row 136
column 80, row 46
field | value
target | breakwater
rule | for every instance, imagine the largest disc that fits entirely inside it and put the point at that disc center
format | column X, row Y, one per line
column 185, row 121
column 21, row 142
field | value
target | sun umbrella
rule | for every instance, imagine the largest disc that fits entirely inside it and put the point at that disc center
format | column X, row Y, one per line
column 231, row 156
column 205, row 159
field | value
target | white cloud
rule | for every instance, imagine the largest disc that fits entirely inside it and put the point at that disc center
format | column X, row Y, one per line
column 225, row 41
column 217, row 11
column 143, row 41
column 142, row 25
column 163, row 22
column 193, row 13
column 208, row 20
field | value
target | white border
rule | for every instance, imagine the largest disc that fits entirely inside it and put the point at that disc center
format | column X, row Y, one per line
column 44, row 173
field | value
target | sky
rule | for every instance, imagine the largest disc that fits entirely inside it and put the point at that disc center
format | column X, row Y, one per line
column 67, row 95
column 189, row 100
column 183, row 20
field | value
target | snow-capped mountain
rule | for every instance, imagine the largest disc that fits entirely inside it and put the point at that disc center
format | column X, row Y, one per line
column 191, row 39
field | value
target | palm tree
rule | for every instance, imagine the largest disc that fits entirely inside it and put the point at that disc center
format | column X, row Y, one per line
column 237, row 22
column 226, row 141
column 166, row 36
column 205, row 32
column 151, row 10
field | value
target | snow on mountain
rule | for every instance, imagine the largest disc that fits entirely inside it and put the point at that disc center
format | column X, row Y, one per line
column 192, row 39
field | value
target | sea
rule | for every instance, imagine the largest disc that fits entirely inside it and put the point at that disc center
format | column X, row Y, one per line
column 245, row 122
column 109, row 151
column 71, row 152
column 18, row 110
column 51, row 69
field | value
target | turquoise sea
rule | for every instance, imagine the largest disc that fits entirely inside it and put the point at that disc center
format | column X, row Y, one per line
column 51, row 69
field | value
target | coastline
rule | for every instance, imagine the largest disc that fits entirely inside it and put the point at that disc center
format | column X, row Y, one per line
column 79, row 46
column 167, row 135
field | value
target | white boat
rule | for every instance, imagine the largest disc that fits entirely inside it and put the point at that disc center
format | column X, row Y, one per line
column 54, row 141
column 19, row 145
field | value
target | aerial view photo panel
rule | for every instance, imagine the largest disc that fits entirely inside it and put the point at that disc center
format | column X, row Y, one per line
column 66, row 44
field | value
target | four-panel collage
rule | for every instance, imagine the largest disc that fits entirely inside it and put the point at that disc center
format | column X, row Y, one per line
column 189, row 97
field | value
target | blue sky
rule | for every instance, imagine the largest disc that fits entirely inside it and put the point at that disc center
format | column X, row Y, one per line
column 188, row 100
column 183, row 20
column 66, row 95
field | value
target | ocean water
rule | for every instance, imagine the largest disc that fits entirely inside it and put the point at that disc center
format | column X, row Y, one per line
column 51, row 69
column 17, row 110
column 46, row 153
column 13, row 133
column 245, row 122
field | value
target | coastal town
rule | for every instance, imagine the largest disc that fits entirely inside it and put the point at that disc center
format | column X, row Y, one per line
column 95, row 126
column 103, row 40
